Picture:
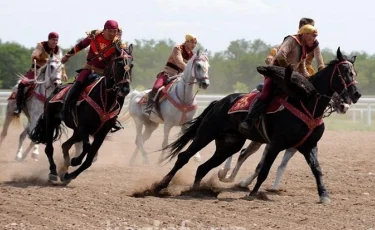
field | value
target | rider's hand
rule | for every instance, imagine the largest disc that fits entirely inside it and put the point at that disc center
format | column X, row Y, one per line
column 64, row 77
column 269, row 59
column 64, row 59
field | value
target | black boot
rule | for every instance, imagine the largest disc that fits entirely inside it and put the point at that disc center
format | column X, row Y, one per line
column 19, row 98
column 117, row 126
column 150, row 103
column 254, row 112
column 71, row 98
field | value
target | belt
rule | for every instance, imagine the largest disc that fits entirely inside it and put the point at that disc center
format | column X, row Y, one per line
column 93, row 68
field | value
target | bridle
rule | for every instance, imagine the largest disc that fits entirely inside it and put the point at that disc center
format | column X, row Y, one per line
column 126, row 77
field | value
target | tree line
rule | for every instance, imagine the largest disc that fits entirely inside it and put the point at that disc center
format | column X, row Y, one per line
column 233, row 69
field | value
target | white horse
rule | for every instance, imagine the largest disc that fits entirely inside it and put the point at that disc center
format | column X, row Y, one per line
column 48, row 79
column 178, row 106
column 337, row 105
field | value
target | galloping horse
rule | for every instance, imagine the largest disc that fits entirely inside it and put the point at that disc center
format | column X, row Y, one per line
column 36, row 94
column 336, row 104
column 302, row 125
column 101, row 100
column 176, row 104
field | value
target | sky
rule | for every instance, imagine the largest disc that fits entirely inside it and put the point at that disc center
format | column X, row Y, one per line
column 216, row 23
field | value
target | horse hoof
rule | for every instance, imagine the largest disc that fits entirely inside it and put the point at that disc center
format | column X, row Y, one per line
column 65, row 178
column 222, row 174
column 19, row 159
column 35, row 157
column 53, row 178
column 249, row 198
column 197, row 159
column 273, row 190
column 75, row 162
column 242, row 184
column 325, row 200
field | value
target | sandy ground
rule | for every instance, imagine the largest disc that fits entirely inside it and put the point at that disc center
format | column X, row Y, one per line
column 100, row 198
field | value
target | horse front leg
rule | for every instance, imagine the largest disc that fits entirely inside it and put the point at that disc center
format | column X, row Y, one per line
column 65, row 149
column 311, row 158
column 84, row 136
column 98, row 141
column 19, row 155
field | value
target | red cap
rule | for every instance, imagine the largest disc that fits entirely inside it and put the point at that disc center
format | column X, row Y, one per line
column 53, row 35
column 111, row 24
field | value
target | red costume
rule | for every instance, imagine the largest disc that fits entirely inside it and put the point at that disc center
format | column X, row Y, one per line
column 98, row 59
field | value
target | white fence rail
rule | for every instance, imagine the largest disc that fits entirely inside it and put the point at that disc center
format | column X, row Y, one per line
column 360, row 111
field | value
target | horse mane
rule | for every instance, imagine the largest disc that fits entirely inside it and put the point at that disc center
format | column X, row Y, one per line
column 290, row 82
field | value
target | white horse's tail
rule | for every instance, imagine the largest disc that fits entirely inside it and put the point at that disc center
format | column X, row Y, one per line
column 125, row 118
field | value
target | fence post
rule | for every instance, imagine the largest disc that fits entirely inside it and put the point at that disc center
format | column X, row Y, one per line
column 369, row 118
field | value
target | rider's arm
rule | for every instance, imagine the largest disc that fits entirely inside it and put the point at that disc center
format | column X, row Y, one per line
column 308, row 63
column 177, row 57
column 37, row 52
column 319, row 58
column 302, row 69
column 80, row 46
column 285, row 49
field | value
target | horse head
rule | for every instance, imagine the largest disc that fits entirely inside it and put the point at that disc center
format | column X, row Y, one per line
column 199, row 66
column 343, row 79
column 121, row 70
column 53, row 71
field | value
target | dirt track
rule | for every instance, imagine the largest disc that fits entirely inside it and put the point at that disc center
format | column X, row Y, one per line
column 100, row 197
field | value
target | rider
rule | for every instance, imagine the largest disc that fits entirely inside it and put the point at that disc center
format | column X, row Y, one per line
column 40, row 55
column 176, row 64
column 293, row 51
column 102, row 46
column 310, row 56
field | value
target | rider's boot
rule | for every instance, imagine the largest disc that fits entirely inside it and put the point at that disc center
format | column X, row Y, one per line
column 117, row 126
column 71, row 98
column 150, row 103
column 254, row 112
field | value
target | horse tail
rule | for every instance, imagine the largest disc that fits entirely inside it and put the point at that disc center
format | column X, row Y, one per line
column 188, row 133
column 39, row 133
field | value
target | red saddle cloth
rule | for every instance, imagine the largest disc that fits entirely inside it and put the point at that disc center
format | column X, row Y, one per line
column 243, row 104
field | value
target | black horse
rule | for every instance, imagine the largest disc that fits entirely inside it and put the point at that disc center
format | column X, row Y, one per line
column 94, row 116
column 301, row 127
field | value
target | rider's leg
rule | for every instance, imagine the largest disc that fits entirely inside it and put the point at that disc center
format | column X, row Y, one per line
column 19, row 98
column 21, row 93
column 259, row 104
column 74, row 92
column 161, row 78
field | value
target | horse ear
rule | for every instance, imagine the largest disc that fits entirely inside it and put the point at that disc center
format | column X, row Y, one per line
column 51, row 55
column 198, row 52
column 339, row 54
column 352, row 60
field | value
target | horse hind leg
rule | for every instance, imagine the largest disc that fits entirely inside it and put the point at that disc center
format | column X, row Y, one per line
column 199, row 142
column 289, row 153
column 149, row 129
column 226, row 146
column 7, row 121
column 245, row 183
column 138, row 140
column 250, row 150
